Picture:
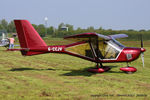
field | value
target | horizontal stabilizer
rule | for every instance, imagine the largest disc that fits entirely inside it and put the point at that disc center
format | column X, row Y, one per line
column 18, row 49
column 26, row 51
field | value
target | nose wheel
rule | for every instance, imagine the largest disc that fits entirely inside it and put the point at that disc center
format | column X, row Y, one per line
column 128, row 70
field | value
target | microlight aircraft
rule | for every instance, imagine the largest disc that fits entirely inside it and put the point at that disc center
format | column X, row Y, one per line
column 4, row 42
column 93, row 47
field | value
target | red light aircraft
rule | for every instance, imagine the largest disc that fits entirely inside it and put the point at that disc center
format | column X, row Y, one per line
column 94, row 47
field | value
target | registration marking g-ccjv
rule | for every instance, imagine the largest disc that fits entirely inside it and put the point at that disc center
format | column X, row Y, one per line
column 54, row 48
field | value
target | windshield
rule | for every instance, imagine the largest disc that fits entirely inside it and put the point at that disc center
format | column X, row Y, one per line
column 118, row 44
column 110, row 49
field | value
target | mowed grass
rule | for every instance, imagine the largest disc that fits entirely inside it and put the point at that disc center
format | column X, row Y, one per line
column 63, row 77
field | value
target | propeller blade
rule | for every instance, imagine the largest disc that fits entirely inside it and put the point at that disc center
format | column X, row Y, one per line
column 142, row 57
column 141, row 41
column 142, row 50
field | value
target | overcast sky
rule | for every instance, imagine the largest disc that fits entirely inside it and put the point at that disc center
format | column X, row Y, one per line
column 109, row 14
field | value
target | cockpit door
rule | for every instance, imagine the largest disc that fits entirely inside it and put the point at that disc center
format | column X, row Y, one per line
column 110, row 49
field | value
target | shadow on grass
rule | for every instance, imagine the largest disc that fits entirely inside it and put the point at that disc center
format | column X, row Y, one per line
column 81, row 72
column 85, row 72
column 23, row 69
column 115, row 72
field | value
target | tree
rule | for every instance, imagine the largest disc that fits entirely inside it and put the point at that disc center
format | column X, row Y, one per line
column 79, row 30
column 1, row 27
column 4, row 23
column 41, row 29
column 35, row 26
column 70, row 27
column 130, row 30
column 100, row 28
column 11, row 27
column 50, row 30
column 60, row 26
column 90, row 29
column 142, row 30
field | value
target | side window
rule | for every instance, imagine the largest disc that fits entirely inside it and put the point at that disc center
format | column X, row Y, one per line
column 102, row 47
column 108, row 49
column 110, row 52
column 81, row 49
column 96, row 45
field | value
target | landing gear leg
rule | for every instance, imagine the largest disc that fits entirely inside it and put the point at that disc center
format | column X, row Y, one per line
column 101, row 65
column 97, row 65
column 127, row 64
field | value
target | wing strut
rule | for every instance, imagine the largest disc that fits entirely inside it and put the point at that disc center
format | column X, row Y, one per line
column 93, row 51
column 96, row 53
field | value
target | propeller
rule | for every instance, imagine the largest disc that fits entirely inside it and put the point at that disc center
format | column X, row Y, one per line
column 142, row 57
column 142, row 50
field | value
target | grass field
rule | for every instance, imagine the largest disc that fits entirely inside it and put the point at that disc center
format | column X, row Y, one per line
column 63, row 77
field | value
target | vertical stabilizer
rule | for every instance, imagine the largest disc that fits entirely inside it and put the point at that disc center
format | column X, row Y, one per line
column 28, row 37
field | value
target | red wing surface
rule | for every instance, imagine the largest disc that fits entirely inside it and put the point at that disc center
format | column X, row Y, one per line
column 86, row 37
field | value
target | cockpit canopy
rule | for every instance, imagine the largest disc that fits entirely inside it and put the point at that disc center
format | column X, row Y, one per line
column 93, row 45
column 104, row 49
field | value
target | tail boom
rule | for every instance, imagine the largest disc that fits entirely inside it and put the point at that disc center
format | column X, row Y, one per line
column 40, row 50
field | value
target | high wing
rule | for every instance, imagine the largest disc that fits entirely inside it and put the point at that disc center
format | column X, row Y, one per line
column 86, row 37
column 117, row 36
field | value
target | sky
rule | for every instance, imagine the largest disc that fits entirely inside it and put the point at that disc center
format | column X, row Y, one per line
column 108, row 14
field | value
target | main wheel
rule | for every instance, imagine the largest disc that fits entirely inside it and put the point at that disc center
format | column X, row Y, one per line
column 99, row 70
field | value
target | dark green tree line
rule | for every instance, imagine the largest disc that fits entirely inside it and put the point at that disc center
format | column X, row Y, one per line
column 67, row 29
